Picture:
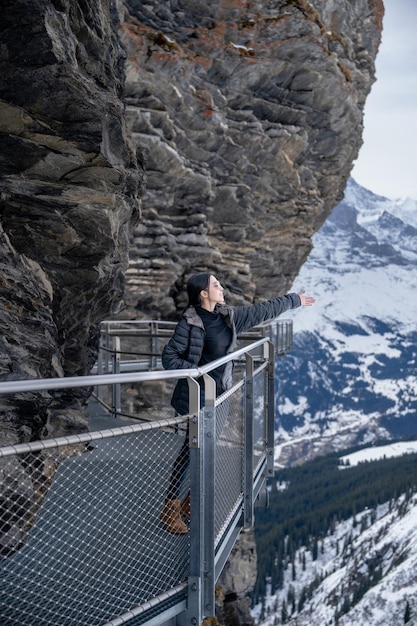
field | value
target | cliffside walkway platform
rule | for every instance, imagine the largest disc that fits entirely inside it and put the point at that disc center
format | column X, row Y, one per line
column 80, row 536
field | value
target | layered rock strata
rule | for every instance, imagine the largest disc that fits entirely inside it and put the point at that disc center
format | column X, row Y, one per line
column 251, row 114
column 69, row 190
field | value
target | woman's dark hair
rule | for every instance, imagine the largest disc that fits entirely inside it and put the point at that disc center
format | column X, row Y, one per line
column 197, row 283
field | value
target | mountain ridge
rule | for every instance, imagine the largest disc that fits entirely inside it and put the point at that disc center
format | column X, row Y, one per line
column 350, row 381
column 386, row 542
column 354, row 352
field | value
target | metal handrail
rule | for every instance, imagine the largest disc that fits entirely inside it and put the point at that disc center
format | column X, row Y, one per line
column 45, row 384
column 153, row 329
column 45, row 444
column 136, row 345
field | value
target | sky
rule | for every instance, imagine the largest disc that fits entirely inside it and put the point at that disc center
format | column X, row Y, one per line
column 387, row 162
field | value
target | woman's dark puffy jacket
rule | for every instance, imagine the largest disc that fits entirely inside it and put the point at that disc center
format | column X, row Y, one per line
column 185, row 347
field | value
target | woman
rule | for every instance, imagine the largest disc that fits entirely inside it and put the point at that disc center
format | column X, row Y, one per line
column 208, row 331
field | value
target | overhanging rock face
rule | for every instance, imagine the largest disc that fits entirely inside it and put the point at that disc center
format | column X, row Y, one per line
column 251, row 115
column 69, row 195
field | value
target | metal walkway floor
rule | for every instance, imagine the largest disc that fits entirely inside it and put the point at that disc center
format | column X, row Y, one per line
column 123, row 551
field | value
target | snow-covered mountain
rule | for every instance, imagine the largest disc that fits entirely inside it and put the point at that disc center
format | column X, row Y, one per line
column 351, row 379
column 365, row 574
column 351, row 375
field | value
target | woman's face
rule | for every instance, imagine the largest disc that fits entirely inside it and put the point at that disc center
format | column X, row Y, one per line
column 215, row 291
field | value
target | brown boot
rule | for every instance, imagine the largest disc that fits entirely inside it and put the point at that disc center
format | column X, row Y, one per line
column 185, row 507
column 171, row 517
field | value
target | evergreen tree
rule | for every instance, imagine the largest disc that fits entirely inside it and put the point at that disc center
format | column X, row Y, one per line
column 314, row 552
column 407, row 613
column 302, row 599
column 284, row 613
column 291, row 599
column 262, row 613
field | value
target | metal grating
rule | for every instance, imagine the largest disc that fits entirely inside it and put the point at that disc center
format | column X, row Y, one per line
column 90, row 548
column 229, row 457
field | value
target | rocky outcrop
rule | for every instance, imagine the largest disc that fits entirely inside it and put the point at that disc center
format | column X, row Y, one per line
column 251, row 116
column 236, row 581
column 69, row 196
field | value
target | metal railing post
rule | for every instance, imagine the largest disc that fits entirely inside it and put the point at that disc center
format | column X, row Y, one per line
column 193, row 613
column 202, row 436
column 116, row 399
column 208, row 486
column 154, row 344
column 248, row 445
column 108, row 347
column 270, row 410
column 100, row 365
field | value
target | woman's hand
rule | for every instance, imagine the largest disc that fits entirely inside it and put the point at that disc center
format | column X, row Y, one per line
column 306, row 300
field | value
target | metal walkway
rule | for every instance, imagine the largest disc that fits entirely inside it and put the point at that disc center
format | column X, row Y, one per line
column 70, row 565
column 80, row 535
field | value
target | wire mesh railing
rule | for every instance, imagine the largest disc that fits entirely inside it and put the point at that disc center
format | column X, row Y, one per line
column 135, row 345
column 229, row 478
column 81, row 537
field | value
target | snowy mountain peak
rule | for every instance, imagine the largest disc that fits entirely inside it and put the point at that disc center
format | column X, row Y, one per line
column 371, row 206
column 351, row 375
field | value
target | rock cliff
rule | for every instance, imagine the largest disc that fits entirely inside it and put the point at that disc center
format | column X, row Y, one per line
column 250, row 113
column 69, row 190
